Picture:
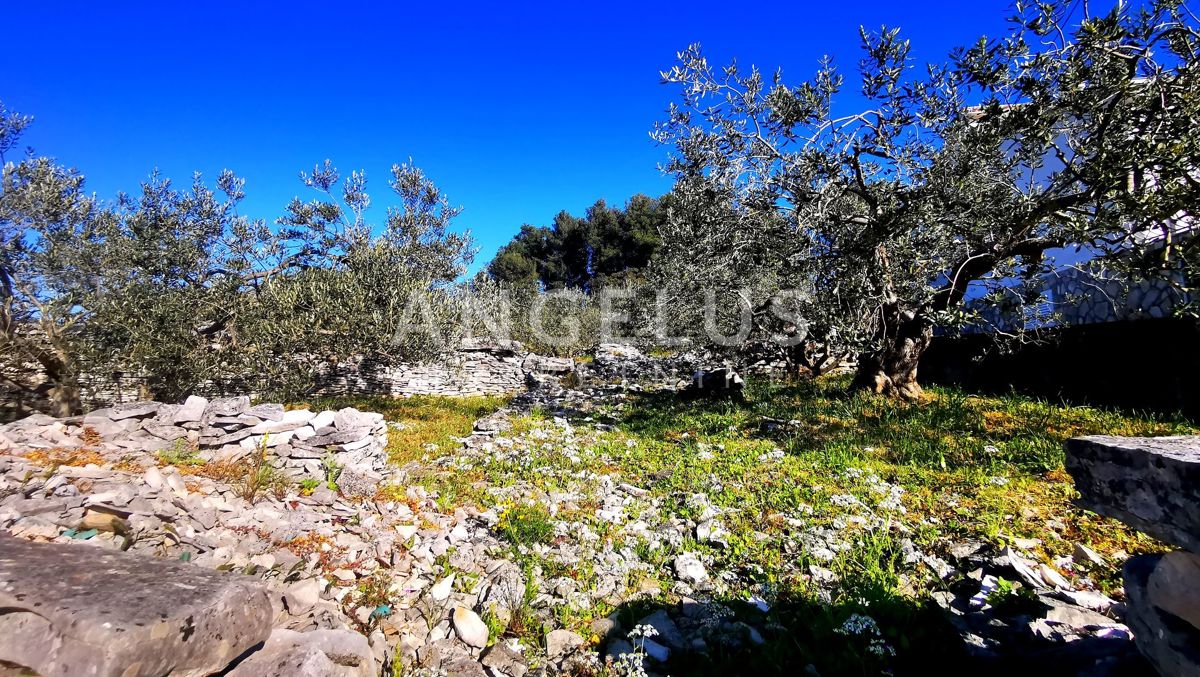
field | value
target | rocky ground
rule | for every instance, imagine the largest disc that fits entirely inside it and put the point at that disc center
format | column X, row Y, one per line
column 536, row 546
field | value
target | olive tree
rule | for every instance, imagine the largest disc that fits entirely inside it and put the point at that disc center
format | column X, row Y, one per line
column 47, row 269
column 175, row 286
column 953, row 180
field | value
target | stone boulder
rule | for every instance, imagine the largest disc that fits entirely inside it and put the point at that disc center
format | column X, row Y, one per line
column 319, row 653
column 1161, row 591
column 71, row 610
column 1150, row 483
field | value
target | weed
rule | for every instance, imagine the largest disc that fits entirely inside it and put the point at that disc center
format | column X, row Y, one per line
column 333, row 470
column 90, row 436
column 256, row 476
column 308, row 485
column 1012, row 598
column 53, row 459
column 525, row 524
column 181, row 452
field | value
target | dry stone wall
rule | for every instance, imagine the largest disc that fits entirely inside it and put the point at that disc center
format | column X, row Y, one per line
column 475, row 369
column 295, row 442
column 1097, row 295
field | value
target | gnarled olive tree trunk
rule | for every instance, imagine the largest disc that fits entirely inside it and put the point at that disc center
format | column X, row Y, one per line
column 891, row 369
column 62, row 385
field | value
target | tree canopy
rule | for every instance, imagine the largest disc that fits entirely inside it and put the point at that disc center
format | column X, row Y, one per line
column 1071, row 130
column 606, row 246
column 175, row 285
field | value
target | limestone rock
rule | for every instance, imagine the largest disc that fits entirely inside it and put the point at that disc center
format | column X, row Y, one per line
column 303, row 595
column 668, row 631
column 503, row 660
column 133, row 410
column 1149, row 483
column 1169, row 642
column 441, row 590
column 192, row 410
column 690, row 569
column 561, row 642
column 227, row 406
column 470, row 627
column 1174, row 586
column 112, row 613
column 287, row 653
column 267, row 412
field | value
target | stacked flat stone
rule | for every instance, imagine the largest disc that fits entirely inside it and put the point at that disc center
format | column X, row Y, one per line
column 1094, row 294
column 617, row 362
column 1151, row 484
column 227, row 429
column 477, row 368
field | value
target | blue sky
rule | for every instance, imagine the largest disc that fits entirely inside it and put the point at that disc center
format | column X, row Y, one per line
column 516, row 111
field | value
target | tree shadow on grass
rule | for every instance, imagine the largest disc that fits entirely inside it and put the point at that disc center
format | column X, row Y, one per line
column 896, row 635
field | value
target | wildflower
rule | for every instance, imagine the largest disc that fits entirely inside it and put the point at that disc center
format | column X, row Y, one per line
column 859, row 624
column 642, row 631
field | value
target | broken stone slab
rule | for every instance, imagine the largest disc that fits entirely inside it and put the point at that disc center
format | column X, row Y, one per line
column 133, row 410
column 1168, row 640
column 353, row 419
column 164, row 431
column 267, row 412
column 1174, row 586
column 318, row 653
column 280, row 426
column 71, row 610
column 549, row 365
column 338, row 437
column 501, row 659
column 1150, row 483
column 227, row 406
column 322, row 420
column 562, row 642
column 191, row 411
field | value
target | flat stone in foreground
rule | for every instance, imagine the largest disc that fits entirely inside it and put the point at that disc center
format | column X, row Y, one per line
column 1163, row 594
column 70, row 609
column 1150, row 483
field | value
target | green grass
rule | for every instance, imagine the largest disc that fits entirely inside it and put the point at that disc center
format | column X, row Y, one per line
column 431, row 424
column 525, row 524
column 970, row 467
column 793, row 465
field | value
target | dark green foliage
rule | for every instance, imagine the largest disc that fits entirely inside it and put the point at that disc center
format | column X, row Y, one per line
column 173, row 284
column 607, row 245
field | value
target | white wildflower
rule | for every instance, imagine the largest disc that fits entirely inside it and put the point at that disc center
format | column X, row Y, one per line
column 643, row 630
column 859, row 624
